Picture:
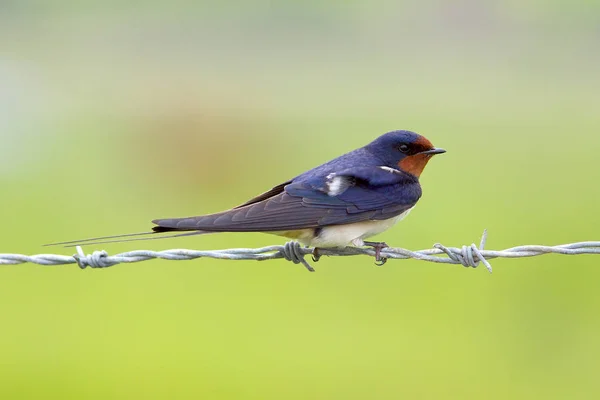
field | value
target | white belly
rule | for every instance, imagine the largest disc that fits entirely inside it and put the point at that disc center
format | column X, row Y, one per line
column 353, row 234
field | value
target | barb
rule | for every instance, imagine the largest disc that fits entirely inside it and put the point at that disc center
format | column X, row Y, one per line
column 468, row 256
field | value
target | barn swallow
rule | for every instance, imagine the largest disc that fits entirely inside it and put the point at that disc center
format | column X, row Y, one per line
column 337, row 204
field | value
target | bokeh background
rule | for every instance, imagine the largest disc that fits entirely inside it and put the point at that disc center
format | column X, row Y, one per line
column 115, row 113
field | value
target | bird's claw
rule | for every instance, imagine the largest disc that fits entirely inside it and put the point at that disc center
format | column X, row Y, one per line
column 378, row 246
column 316, row 256
column 381, row 261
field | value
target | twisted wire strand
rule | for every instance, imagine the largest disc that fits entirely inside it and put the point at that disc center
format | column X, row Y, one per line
column 468, row 256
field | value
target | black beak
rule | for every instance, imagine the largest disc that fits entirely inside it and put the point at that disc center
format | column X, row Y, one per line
column 433, row 151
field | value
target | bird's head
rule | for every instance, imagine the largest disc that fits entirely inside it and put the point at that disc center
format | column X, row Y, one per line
column 404, row 150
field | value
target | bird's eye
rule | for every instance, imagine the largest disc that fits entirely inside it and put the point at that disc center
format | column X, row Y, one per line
column 403, row 148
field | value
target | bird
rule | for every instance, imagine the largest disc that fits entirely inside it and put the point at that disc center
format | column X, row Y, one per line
column 337, row 204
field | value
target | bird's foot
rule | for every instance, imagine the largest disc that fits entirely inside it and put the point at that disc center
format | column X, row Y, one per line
column 316, row 255
column 378, row 246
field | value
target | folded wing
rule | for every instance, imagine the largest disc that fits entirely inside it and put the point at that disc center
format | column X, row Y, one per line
column 353, row 195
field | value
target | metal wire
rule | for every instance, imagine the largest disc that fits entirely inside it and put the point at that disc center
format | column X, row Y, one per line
column 468, row 256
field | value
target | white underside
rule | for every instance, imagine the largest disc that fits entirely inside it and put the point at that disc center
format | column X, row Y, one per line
column 350, row 234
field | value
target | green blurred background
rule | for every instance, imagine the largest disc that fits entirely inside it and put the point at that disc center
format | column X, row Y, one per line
column 113, row 114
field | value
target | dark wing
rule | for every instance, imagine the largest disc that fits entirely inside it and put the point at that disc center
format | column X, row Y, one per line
column 353, row 195
column 264, row 196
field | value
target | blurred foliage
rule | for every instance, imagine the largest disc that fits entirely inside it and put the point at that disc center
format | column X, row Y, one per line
column 113, row 114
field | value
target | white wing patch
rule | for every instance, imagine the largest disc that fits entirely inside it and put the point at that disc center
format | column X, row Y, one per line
column 390, row 170
column 336, row 185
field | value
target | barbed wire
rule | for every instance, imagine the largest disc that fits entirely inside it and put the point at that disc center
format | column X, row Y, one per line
column 468, row 256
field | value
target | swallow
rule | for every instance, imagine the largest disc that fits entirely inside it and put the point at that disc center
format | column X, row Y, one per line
column 337, row 204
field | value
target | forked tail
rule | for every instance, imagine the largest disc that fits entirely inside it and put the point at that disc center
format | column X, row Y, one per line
column 119, row 238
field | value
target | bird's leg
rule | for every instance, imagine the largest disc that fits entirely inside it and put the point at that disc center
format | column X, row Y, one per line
column 378, row 246
column 316, row 255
